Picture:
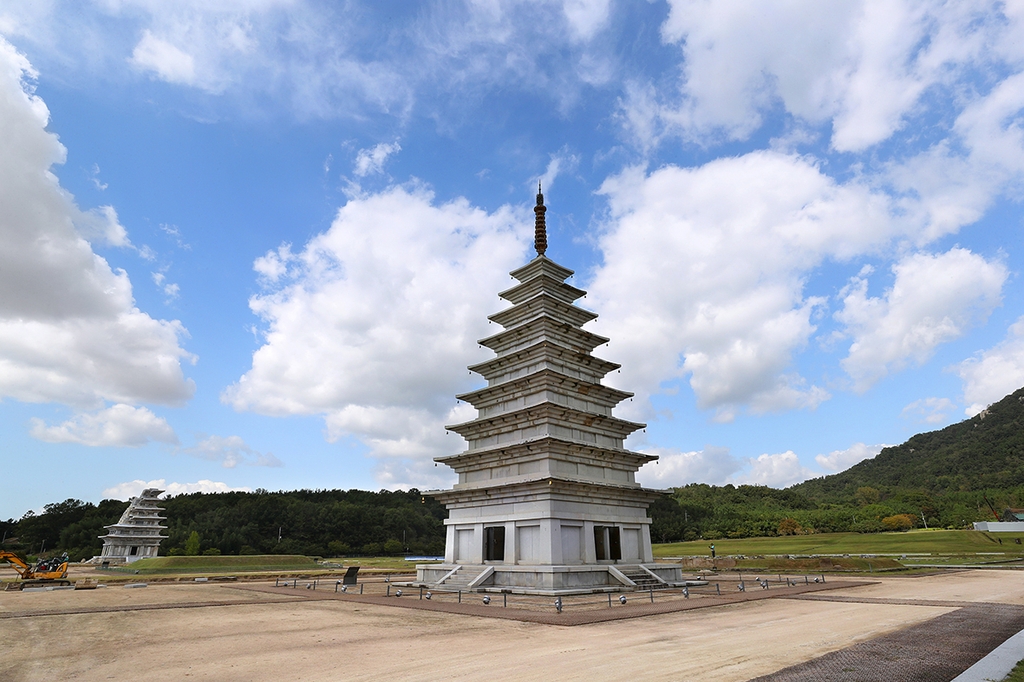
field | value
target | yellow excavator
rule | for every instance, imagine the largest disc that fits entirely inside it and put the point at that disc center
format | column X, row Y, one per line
column 46, row 572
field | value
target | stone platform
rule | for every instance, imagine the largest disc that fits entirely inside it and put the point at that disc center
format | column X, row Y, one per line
column 548, row 580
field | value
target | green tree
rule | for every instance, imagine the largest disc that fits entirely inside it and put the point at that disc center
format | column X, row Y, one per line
column 192, row 544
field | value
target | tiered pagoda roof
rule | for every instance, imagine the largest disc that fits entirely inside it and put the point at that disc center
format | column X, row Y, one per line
column 544, row 415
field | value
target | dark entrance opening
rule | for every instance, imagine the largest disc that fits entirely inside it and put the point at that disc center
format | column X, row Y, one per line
column 494, row 543
column 606, row 543
column 133, row 551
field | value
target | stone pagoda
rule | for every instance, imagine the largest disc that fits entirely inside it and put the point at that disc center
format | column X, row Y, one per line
column 546, row 500
column 137, row 534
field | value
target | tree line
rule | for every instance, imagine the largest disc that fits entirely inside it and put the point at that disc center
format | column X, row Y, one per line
column 700, row 511
column 310, row 522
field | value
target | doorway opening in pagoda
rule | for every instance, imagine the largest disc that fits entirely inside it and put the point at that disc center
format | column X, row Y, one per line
column 494, row 543
column 134, row 551
column 607, row 544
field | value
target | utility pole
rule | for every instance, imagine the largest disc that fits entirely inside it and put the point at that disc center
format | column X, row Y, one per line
column 279, row 534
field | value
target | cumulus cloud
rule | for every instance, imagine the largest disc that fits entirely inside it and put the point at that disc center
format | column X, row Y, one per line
column 861, row 66
column 704, row 272
column 929, row 410
column 995, row 373
column 934, row 299
column 69, row 329
column 776, row 471
column 117, row 426
column 841, row 460
column 712, row 465
column 230, row 452
column 129, row 489
column 391, row 299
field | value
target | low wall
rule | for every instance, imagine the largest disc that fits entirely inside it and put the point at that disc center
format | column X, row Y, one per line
column 1000, row 526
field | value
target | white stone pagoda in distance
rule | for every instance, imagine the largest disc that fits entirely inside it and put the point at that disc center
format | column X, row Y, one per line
column 546, row 501
column 136, row 535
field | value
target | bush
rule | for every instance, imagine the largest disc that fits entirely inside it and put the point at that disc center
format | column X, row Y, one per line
column 900, row 522
column 393, row 547
column 212, row 551
column 338, row 548
column 789, row 527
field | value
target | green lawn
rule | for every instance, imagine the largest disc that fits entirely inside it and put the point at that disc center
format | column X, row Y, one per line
column 913, row 542
column 202, row 565
column 224, row 564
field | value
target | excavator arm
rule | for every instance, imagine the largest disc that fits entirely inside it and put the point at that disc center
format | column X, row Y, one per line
column 45, row 572
column 17, row 563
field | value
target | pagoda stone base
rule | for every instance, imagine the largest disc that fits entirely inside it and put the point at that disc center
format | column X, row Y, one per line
column 546, row 580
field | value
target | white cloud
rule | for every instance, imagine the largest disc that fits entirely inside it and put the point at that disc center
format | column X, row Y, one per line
column 69, row 328
column 586, row 17
column 929, row 410
column 101, row 225
column 129, row 489
column 230, row 452
column 117, row 426
column 372, row 160
column 776, row 471
column 170, row 290
column 164, row 59
column 95, row 177
column 392, row 299
column 711, row 465
column 560, row 163
column 841, row 460
column 934, row 299
column 995, row 373
column 862, row 66
column 704, row 270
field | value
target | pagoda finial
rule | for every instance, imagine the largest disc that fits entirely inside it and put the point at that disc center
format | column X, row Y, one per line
column 540, row 231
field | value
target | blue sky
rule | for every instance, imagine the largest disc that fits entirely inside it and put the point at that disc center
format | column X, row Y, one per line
column 251, row 243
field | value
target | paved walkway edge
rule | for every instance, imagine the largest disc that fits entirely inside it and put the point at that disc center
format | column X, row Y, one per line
column 998, row 664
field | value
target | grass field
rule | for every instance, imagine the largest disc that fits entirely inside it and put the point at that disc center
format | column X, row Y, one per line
column 259, row 563
column 942, row 542
column 224, row 564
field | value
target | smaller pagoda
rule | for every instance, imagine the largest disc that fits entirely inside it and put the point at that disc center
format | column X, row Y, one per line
column 136, row 535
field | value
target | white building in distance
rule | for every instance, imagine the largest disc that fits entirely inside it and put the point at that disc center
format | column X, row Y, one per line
column 546, row 500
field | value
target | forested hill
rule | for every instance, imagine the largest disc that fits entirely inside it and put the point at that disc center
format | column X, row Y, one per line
column 984, row 452
column 312, row 522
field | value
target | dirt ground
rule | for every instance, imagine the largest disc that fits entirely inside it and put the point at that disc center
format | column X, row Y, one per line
column 221, row 632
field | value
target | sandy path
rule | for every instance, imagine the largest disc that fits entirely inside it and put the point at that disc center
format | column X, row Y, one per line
column 993, row 585
column 332, row 640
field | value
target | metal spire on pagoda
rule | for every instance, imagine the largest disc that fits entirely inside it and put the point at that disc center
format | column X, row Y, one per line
column 540, row 232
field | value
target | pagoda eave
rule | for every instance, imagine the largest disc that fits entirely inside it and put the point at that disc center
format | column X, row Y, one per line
column 546, row 378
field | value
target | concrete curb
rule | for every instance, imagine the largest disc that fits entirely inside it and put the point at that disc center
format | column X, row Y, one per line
column 998, row 664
